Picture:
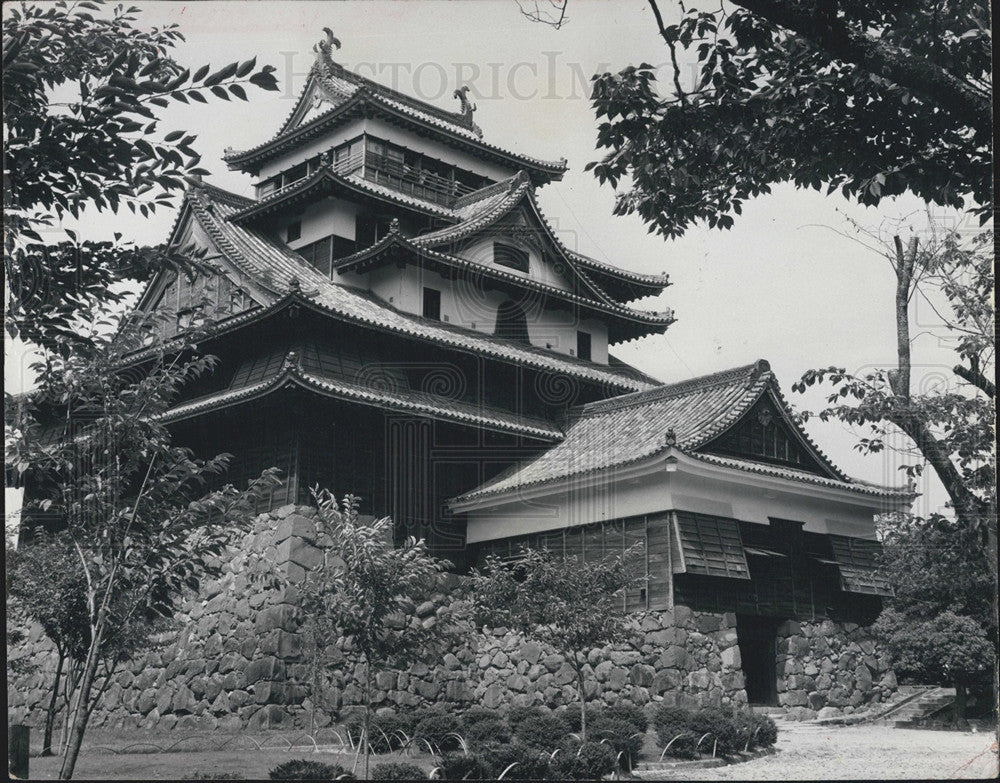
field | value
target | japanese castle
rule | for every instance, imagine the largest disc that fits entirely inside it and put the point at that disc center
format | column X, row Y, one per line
column 395, row 318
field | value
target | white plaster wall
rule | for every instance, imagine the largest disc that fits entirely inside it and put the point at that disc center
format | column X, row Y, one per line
column 481, row 252
column 322, row 218
column 663, row 491
column 463, row 304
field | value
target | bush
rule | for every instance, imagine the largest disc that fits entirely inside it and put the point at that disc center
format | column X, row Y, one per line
column 398, row 771
column 486, row 733
column 620, row 734
column 756, row 731
column 628, row 712
column 199, row 775
column 731, row 731
column 673, row 727
column 589, row 761
column 459, row 766
column 541, row 730
column 438, row 729
column 383, row 736
column 723, row 730
column 302, row 769
column 475, row 714
column 519, row 762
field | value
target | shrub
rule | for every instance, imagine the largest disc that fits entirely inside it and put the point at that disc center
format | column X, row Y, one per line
column 619, row 734
column 541, row 730
column 486, row 733
column 628, row 712
column 398, row 771
column 199, row 775
column 755, row 731
column 589, row 761
column 722, row 727
column 673, row 727
column 383, row 736
column 459, row 766
column 519, row 761
column 438, row 728
column 303, row 769
column 475, row 714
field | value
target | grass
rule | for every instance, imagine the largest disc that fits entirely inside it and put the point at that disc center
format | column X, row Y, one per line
column 151, row 755
column 179, row 765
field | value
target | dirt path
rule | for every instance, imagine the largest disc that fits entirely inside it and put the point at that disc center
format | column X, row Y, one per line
column 865, row 753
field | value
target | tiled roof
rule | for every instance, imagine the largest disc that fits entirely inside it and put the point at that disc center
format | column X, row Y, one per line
column 478, row 216
column 622, row 430
column 346, row 91
column 327, row 175
column 395, row 241
column 276, row 270
column 421, row 403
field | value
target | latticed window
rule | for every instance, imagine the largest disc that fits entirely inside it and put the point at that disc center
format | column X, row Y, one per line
column 762, row 434
column 509, row 256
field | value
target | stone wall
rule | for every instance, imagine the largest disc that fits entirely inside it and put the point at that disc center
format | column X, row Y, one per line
column 235, row 660
column 827, row 668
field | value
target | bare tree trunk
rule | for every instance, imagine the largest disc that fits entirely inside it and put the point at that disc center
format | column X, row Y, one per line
column 582, row 694
column 81, row 711
column 959, row 706
column 368, row 711
column 50, row 715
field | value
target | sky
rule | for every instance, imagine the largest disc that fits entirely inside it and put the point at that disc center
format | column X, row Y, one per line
column 791, row 282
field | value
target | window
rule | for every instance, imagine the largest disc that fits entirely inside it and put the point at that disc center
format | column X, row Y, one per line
column 432, row 304
column 512, row 257
column 293, row 231
column 368, row 230
column 318, row 254
column 512, row 323
column 583, row 345
column 237, row 300
column 296, row 173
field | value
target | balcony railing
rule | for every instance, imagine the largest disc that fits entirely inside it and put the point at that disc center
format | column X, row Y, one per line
column 390, row 172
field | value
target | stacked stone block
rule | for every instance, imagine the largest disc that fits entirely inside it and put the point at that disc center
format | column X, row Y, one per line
column 234, row 659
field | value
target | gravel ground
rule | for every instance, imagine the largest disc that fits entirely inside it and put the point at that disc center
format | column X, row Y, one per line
column 864, row 753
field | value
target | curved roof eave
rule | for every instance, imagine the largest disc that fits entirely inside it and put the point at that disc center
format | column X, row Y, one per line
column 544, row 171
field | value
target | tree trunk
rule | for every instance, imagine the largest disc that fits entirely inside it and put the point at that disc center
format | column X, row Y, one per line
column 50, row 715
column 81, row 712
column 958, row 707
column 368, row 711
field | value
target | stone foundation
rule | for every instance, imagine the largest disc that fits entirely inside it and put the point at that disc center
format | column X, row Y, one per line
column 236, row 662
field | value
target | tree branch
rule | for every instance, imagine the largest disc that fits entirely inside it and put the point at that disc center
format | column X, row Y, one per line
column 974, row 376
column 880, row 58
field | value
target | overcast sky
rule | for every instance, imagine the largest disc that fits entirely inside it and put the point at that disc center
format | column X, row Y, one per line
column 784, row 284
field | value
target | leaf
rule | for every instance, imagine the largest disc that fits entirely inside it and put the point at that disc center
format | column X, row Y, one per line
column 246, row 67
column 173, row 135
column 220, row 92
column 238, row 91
column 201, row 73
column 197, row 96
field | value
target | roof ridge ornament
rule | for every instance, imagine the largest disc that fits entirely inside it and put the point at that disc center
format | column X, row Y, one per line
column 467, row 108
column 323, row 51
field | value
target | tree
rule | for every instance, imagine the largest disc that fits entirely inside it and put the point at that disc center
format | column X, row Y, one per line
column 133, row 506
column 939, row 626
column 950, row 431
column 871, row 98
column 363, row 594
column 941, row 622
column 81, row 83
column 571, row 605
column 47, row 586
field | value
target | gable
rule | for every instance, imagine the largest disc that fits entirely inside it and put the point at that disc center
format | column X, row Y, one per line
column 179, row 301
column 764, row 434
column 517, row 244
